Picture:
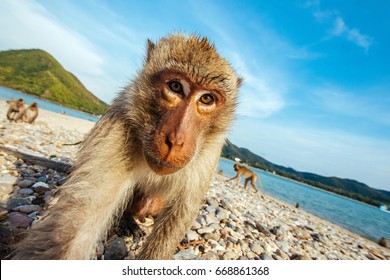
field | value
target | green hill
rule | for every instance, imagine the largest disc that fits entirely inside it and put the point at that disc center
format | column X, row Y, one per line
column 346, row 187
column 38, row 73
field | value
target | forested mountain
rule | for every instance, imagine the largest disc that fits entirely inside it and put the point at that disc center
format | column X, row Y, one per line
column 36, row 72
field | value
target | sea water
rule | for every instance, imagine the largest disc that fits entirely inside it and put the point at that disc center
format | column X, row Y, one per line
column 365, row 220
column 8, row 94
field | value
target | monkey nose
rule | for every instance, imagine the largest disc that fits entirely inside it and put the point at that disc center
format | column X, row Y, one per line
column 174, row 139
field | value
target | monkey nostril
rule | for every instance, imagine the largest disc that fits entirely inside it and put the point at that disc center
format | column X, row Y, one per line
column 174, row 139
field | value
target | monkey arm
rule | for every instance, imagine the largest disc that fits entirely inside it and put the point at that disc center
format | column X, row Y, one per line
column 169, row 230
column 88, row 204
column 235, row 177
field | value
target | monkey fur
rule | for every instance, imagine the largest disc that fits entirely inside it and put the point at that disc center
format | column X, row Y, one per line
column 163, row 135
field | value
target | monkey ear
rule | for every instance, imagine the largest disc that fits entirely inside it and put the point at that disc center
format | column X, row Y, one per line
column 150, row 47
column 240, row 80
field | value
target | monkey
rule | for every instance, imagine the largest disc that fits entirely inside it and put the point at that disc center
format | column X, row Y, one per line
column 30, row 113
column 139, row 208
column 15, row 110
column 249, row 176
column 163, row 136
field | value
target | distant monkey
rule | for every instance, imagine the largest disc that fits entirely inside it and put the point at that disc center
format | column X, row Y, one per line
column 15, row 110
column 30, row 113
column 248, row 174
column 161, row 138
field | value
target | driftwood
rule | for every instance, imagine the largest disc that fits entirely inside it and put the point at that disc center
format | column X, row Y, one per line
column 58, row 166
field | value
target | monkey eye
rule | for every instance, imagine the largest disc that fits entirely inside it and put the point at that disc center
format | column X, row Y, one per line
column 207, row 99
column 175, row 86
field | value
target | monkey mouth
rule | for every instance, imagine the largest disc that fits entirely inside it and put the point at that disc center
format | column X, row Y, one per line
column 161, row 167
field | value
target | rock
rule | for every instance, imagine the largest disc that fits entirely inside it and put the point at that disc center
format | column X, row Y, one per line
column 205, row 230
column 187, row 254
column 211, row 255
column 19, row 220
column 266, row 257
column 27, row 209
column 256, row 248
column 233, row 217
column 25, row 183
column 377, row 254
column 229, row 256
column 6, row 184
column 3, row 213
column 212, row 202
column 302, row 234
column 192, row 235
column 300, row 257
column 226, row 205
column 222, row 214
column 231, row 224
column 213, row 236
column 201, row 220
column 115, row 249
column 232, row 239
column 383, row 242
column 211, row 209
column 40, row 188
column 317, row 237
column 217, row 247
column 3, row 161
column 283, row 245
column 5, row 189
column 262, row 229
column 26, row 192
column 8, row 179
column 42, row 179
column 15, row 202
column 196, row 225
column 210, row 219
column 275, row 230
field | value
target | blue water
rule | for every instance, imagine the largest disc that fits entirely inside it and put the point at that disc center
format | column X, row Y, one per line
column 8, row 94
column 360, row 218
column 365, row 220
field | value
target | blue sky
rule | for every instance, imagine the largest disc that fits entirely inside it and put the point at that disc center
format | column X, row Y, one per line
column 316, row 95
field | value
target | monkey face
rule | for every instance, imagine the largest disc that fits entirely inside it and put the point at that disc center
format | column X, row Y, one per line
column 189, row 93
column 186, row 110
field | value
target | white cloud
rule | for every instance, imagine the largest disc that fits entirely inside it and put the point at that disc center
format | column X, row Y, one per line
column 30, row 25
column 367, row 103
column 260, row 95
column 339, row 27
column 351, row 34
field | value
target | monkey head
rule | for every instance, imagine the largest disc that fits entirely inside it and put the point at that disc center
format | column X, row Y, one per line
column 236, row 167
column 186, row 91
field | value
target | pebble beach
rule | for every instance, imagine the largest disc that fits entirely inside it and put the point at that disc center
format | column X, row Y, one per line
column 233, row 224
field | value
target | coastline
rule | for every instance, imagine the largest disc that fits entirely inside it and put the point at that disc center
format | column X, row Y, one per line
column 233, row 223
column 47, row 100
column 308, row 185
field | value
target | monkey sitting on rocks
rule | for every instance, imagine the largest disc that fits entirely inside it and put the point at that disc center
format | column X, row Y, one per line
column 30, row 113
column 15, row 110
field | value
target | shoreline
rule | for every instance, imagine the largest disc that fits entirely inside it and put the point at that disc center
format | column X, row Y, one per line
column 47, row 100
column 232, row 224
column 308, row 185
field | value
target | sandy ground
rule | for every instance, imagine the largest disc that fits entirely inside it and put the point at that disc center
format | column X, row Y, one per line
column 55, row 120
